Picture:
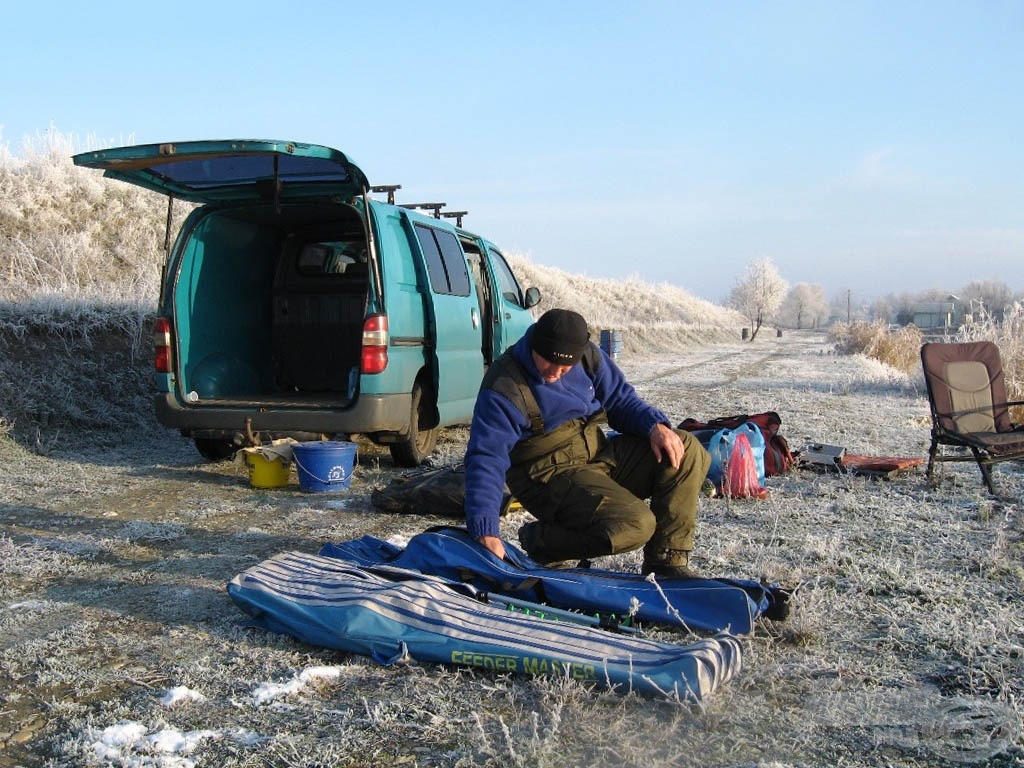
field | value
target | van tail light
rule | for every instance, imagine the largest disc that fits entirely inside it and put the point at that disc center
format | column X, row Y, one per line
column 375, row 344
column 162, row 341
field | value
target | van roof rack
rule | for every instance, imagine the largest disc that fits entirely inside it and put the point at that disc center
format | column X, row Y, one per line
column 435, row 207
column 389, row 188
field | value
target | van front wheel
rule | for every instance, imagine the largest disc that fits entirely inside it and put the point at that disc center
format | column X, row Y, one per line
column 419, row 444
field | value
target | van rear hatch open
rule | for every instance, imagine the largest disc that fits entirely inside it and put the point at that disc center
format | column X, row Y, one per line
column 266, row 291
column 222, row 171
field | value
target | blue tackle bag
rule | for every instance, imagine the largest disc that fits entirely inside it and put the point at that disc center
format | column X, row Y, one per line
column 720, row 444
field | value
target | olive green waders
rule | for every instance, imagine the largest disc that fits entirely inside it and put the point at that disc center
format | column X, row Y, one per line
column 588, row 491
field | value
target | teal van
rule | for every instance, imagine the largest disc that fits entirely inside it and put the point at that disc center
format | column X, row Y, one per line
column 295, row 304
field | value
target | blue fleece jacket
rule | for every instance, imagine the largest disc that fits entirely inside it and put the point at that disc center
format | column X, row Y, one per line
column 498, row 425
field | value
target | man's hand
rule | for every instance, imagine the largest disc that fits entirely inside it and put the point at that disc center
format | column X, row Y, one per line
column 666, row 444
column 494, row 545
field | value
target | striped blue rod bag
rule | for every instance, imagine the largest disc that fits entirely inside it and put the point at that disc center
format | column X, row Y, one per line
column 393, row 615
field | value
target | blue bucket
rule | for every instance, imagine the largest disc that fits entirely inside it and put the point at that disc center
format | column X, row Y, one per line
column 611, row 343
column 324, row 466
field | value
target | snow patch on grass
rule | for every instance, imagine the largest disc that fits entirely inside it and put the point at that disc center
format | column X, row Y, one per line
column 267, row 693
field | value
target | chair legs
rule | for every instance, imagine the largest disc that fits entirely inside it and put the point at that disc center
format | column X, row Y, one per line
column 983, row 464
column 986, row 470
column 931, row 461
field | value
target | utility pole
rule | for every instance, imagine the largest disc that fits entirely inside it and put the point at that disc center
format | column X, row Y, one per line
column 847, row 305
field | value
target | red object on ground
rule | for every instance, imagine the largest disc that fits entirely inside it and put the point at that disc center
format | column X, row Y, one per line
column 879, row 465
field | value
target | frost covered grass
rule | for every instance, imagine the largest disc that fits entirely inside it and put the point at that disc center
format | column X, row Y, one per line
column 119, row 646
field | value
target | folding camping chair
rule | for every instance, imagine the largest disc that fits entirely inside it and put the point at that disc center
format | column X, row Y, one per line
column 967, row 396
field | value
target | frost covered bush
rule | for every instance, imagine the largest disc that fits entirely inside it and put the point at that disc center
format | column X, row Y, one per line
column 660, row 314
column 1008, row 335
column 900, row 349
column 68, row 232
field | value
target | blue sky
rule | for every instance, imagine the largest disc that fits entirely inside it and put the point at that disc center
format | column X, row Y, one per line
column 870, row 147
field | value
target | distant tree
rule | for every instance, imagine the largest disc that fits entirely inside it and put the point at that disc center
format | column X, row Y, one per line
column 882, row 309
column 906, row 303
column 805, row 303
column 846, row 306
column 990, row 297
column 758, row 293
column 894, row 308
column 932, row 295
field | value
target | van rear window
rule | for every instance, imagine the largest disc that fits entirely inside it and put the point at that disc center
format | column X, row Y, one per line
column 228, row 170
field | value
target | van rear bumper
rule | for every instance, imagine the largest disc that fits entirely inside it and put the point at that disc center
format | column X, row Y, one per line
column 370, row 414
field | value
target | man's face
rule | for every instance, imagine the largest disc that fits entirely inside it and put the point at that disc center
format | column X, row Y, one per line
column 550, row 372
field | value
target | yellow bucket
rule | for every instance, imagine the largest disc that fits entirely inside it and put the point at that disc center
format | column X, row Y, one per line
column 264, row 472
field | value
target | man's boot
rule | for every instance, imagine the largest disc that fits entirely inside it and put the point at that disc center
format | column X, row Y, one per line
column 669, row 564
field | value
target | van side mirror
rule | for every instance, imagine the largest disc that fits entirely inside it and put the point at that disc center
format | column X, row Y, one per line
column 532, row 297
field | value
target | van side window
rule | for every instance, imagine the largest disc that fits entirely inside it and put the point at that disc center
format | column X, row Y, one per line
column 454, row 262
column 510, row 290
column 432, row 255
column 446, row 264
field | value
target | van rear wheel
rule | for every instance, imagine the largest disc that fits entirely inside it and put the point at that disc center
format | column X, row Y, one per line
column 212, row 449
column 414, row 449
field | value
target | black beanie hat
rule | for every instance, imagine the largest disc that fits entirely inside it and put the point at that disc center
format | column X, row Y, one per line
column 560, row 336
